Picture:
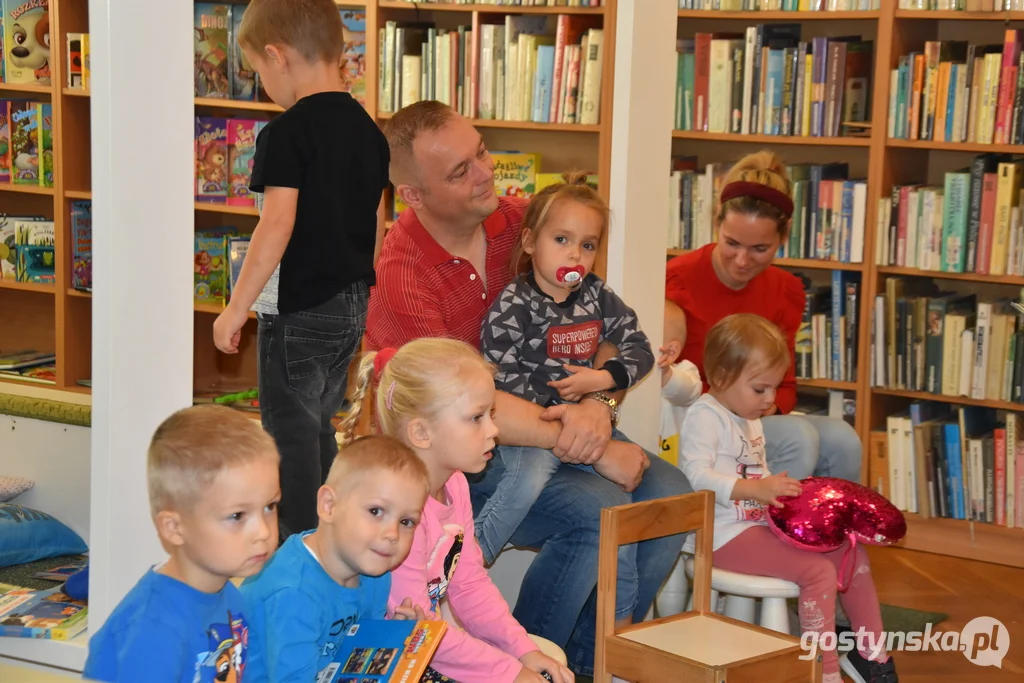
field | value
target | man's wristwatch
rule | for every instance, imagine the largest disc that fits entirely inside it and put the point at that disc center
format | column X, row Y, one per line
column 613, row 405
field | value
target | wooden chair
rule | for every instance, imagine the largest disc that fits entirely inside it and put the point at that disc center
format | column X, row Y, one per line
column 697, row 645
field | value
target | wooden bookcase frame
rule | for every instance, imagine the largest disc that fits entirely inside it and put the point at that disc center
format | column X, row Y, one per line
column 888, row 162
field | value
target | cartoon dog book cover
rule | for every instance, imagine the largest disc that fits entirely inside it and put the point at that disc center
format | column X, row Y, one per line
column 27, row 41
column 385, row 650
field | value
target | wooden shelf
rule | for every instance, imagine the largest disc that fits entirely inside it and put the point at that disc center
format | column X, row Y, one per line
column 488, row 9
column 28, row 286
column 27, row 88
column 215, row 309
column 78, row 194
column 78, row 293
column 754, row 16
column 25, row 189
column 76, row 92
column 954, row 15
column 1016, row 280
column 240, row 105
column 771, row 139
column 976, row 147
column 960, row 538
column 522, row 125
column 224, row 208
column 955, row 400
column 827, row 384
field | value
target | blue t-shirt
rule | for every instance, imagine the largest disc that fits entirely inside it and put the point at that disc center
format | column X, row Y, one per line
column 300, row 614
column 166, row 631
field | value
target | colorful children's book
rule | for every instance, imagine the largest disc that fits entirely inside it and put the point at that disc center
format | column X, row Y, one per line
column 25, row 128
column 243, row 76
column 35, row 242
column 63, row 571
column 241, row 151
column 46, row 614
column 27, row 41
column 211, row 159
column 237, row 248
column 515, row 174
column 5, row 141
column 212, row 49
column 9, row 246
column 46, row 149
column 73, row 60
column 81, row 245
column 211, row 270
column 385, row 650
column 353, row 56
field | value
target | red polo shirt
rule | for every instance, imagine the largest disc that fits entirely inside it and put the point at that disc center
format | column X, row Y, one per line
column 424, row 291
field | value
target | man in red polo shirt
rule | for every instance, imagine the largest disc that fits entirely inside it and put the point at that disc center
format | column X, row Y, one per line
column 444, row 262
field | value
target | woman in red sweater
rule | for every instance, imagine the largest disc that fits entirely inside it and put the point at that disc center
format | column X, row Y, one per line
column 735, row 275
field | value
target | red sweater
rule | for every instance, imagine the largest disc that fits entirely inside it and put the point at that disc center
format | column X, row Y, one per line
column 692, row 284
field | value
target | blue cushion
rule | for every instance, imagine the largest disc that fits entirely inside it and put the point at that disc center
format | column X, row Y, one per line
column 27, row 535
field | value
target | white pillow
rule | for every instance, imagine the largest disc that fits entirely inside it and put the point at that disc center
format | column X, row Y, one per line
column 12, row 487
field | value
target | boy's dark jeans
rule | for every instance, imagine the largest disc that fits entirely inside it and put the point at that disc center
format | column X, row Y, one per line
column 303, row 370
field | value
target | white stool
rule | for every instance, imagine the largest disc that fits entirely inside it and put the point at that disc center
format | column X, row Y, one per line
column 741, row 590
column 550, row 649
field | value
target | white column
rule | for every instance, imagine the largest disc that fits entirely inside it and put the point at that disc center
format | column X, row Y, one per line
column 641, row 150
column 142, row 165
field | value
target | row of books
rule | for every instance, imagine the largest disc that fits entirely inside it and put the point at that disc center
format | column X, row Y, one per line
column 222, row 72
column 956, row 91
column 545, row 69
column 963, row 5
column 948, row 343
column 219, row 253
column 224, row 153
column 829, row 216
column 826, row 341
column 958, row 463
column 972, row 223
column 768, row 81
column 27, row 247
column 26, row 143
column 781, row 5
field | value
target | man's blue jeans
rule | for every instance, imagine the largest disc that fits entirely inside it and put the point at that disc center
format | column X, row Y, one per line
column 558, row 598
column 803, row 445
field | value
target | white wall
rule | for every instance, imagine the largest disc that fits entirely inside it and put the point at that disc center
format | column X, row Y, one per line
column 56, row 457
column 142, row 165
column 641, row 152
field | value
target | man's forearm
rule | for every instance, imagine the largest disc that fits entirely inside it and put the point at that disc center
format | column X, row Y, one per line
column 519, row 423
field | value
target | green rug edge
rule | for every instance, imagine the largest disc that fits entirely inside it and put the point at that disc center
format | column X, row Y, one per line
column 46, row 409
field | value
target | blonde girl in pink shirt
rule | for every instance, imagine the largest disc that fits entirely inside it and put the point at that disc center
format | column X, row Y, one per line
column 436, row 396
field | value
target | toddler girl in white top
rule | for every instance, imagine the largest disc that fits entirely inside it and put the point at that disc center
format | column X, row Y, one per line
column 722, row 449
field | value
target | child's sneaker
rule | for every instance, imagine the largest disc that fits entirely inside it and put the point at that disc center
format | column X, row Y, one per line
column 865, row 671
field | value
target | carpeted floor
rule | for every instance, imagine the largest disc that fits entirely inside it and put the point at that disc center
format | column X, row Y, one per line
column 902, row 619
column 21, row 574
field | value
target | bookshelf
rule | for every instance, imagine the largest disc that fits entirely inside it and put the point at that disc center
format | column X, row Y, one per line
column 884, row 162
column 47, row 317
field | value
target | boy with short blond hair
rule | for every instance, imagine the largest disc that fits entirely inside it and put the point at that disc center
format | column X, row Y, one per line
column 322, row 581
column 213, row 490
column 680, row 382
column 319, row 171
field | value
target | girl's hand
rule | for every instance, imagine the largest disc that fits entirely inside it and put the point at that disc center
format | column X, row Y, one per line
column 773, row 487
column 408, row 611
column 665, row 357
column 582, row 381
column 539, row 662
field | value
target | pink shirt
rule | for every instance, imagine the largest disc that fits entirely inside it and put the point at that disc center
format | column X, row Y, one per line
column 445, row 562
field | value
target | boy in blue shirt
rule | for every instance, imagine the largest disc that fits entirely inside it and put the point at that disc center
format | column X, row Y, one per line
column 321, row 582
column 320, row 168
column 213, row 491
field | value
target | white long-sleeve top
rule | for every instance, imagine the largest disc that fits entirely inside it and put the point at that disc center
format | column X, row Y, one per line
column 682, row 389
column 717, row 447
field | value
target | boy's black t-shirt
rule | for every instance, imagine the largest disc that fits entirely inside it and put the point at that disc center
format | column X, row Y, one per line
column 332, row 151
